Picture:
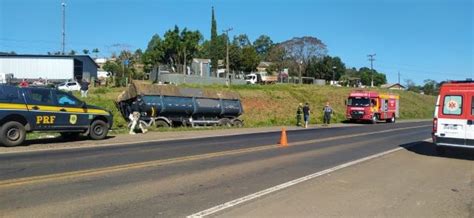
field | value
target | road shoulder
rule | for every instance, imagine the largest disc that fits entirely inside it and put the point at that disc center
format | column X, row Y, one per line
column 407, row 183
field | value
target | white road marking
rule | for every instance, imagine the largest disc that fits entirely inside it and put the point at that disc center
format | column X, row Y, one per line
column 250, row 197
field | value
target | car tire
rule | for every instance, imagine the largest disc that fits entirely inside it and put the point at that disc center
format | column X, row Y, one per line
column 98, row 130
column 12, row 134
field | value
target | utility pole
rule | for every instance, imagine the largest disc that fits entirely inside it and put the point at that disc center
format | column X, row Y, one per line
column 399, row 77
column 371, row 59
column 300, row 80
column 227, row 68
column 63, row 45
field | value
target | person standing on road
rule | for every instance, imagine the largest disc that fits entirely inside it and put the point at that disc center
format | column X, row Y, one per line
column 84, row 88
column 138, row 106
column 328, row 111
column 306, row 112
column 299, row 112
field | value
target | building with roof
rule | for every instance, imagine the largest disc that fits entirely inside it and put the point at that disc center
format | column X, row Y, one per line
column 263, row 66
column 396, row 86
column 51, row 67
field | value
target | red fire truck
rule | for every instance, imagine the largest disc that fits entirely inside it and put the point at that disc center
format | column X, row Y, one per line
column 372, row 106
column 453, row 123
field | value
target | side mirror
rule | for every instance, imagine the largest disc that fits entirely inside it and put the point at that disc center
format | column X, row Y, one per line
column 345, row 102
column 84, row 105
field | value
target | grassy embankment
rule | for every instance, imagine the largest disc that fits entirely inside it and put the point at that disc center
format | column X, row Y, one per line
column 274, row 105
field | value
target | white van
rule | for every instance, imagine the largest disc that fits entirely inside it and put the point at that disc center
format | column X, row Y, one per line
column 453, row 123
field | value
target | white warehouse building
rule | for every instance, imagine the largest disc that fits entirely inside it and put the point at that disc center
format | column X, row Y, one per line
column 51, row 67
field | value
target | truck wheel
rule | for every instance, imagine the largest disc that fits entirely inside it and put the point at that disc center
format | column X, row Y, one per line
column 391, row 120
column 162, row 124
column 12, row 134
column 374, row 120
column 99, row 130
column 225, row 122
column 238, row 123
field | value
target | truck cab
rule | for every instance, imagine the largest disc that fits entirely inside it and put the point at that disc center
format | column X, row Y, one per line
column 253, row 78
column 260, row 78
column 25, row 110
column 372, row 107
column 453, row 122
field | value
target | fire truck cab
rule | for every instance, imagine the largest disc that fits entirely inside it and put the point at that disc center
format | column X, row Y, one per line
column 372, row 106
column 453, row 123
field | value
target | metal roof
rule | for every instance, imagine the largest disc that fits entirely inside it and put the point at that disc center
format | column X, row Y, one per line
column 48, row 56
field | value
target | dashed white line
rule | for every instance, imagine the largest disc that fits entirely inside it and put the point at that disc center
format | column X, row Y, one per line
column 250, row 197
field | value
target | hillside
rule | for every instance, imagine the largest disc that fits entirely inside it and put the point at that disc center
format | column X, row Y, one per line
column 276, row 104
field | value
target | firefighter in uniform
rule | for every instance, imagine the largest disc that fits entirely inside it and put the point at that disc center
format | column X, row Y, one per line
column 328, row 111
column 299, row 111
column 137, row 108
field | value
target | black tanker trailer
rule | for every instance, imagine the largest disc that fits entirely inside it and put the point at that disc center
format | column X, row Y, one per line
column 168, row 105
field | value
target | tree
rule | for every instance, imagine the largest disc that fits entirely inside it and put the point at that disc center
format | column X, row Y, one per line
column 137, row 55
column 301, row 49
column 241, row 40
column 235, row 57
column 115, row 68
column 276, row 55
column 262, row 45
column 154, row 54
column 366, row 77
column 72, row 52
column 85, row 51
column 411, row 86
column 189, row 46
column 178, row 48
column 95, row 51
column 430, row 87
column 328, row 68
column 250, row 59
column 214, row 45
column 205, row 50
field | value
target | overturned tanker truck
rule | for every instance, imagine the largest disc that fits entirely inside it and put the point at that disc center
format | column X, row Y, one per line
column 171, row 106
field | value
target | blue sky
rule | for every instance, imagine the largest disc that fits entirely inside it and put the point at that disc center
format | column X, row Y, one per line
column 423, row 39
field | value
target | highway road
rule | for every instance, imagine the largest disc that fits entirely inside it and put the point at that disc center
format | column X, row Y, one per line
column 182, row 177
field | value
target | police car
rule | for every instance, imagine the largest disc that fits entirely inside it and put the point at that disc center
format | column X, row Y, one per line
column 453, row 123
column 25, row 110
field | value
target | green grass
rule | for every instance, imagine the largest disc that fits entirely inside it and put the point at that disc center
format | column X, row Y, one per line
column 274, row 105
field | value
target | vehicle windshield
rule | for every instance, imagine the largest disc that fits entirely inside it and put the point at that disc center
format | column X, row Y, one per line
column 249, row 77
column 358, row 102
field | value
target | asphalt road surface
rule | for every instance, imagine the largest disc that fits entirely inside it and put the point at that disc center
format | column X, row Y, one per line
column 182, row 177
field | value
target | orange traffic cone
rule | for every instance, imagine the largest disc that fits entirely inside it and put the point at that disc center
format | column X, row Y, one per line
column 283, row 138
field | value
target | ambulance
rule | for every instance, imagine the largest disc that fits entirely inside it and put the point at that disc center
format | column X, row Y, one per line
column 453, row 123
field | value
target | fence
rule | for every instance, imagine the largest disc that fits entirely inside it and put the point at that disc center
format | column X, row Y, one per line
column 193, row 79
